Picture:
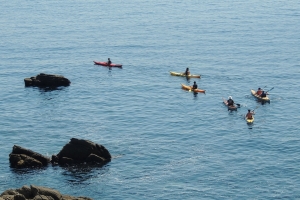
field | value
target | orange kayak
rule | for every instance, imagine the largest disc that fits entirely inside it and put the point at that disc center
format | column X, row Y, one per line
column 190, row 88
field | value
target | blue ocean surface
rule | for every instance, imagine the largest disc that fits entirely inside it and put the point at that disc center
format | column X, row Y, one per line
column 166, row 143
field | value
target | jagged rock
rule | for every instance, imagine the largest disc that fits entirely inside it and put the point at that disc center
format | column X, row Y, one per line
column 37, row 190
column 23, row 161
column 19, row 197
column 81, row 151
column 42, row 197
column 23, row 158
column 37, row 193
column 20, row 150
column 47, row 80
column 25, row 190
column 66, row 161
column 8, row 197
column 92, row 158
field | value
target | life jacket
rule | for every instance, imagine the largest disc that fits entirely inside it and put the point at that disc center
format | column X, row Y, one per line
column 230, row 102
column 259, row 92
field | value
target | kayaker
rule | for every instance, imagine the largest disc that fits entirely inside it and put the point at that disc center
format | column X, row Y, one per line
column 263, row 94
column 259, row 91
column 249, row 114
column 195, row 86
column 187, row 71
column 108, row 62
column 230, row 101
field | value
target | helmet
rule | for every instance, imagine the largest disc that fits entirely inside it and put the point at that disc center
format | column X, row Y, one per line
column 229, row 97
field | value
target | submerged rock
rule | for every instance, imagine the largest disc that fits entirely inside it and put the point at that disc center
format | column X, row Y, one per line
column 47, row 80
column 81, row 151
column 37, row 193
column 25, row 158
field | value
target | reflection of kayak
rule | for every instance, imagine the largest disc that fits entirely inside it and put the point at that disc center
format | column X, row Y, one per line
column 182, row 74
column 250, row 121
column 105, row 64
column 190, row 88
column 229, row 107
column 266, row 99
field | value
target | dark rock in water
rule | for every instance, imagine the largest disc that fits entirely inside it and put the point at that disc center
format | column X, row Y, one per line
column 47, row 80
column 25, row 158
column 37, row 193
column 82, row 151
column 23, row 161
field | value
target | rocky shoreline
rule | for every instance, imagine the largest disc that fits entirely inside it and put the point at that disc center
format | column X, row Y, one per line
column 76, row 152
column 33, row 192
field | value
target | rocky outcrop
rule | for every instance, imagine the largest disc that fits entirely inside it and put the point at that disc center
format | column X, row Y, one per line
column 47, row 80
column 81, row 151
column 25, row 158
column 37, row 193
column 77, row 151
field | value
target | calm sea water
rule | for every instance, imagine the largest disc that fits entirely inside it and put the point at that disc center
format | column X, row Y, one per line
column 167, row 143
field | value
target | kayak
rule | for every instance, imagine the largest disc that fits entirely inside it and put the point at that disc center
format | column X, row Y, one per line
column 265, row 99
column 190, row 88
column 184, row 75
column 249, row 121
column 229, row 107
column 105, row 64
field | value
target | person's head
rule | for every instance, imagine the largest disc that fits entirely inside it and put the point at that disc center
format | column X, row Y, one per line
column 187, row 69
column 194, row 82
column 108, row 58
column 259, row 88
column 229, row 97
column 249, row 110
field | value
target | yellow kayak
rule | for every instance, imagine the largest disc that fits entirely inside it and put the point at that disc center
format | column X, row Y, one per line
column 266, row 99
column 184, row 75
column 250, row 121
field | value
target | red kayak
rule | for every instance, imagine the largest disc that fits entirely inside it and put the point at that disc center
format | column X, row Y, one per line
column 105, row 64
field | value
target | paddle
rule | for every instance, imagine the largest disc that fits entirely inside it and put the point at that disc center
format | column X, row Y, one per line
column 269, row 90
